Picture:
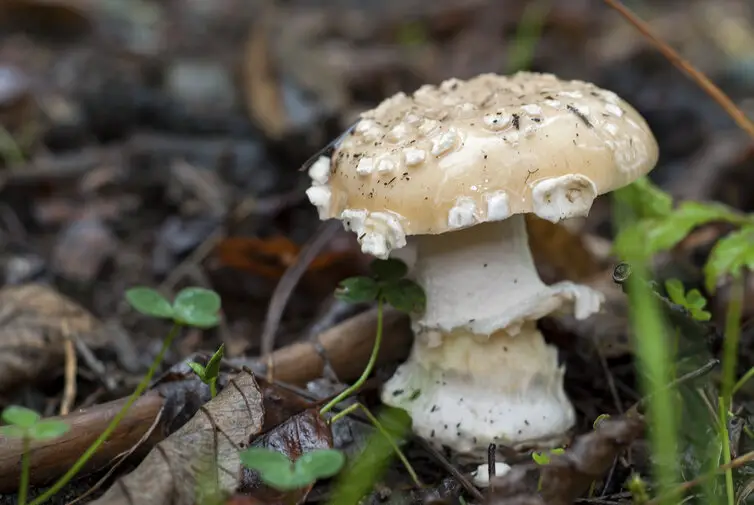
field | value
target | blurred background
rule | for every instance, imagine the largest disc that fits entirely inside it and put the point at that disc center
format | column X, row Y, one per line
column 137, row 133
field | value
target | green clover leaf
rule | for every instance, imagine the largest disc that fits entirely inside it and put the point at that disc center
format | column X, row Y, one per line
column 48, row 429
column 20, row 416
column 320, row 464
column 357, row 290
column 388, row 270
column 277, row 471
column 197, row 307
column 149, row 302
column 405, row 295
column 12, row 431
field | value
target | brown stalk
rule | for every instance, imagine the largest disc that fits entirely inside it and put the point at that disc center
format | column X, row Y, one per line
column 686, row 67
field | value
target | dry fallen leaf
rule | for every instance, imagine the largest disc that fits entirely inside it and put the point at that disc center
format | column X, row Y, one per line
column 568, row 476
column 270, row 257
column 35, row 321
column 176, row 468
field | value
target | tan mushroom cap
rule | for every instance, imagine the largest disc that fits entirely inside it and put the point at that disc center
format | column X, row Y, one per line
column 466, row 152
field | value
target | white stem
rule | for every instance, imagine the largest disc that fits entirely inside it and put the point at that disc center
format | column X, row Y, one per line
column 476, row 277
column 480, row 371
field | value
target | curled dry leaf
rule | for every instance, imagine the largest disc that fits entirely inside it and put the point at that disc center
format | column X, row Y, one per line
column 175, row 469
column 35, row 321
column 302, row 433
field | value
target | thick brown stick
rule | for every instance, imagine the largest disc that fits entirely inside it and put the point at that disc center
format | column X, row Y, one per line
column 50, row 458
column 347, row 346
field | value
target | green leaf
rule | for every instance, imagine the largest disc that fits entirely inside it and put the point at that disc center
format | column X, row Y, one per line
column 388, row 270
column 20, row 416
column 405, row 295
column 320, row 464
column 540, row 458
column 649, row 236
column 262, row 460
column 149, row 302
column 275, row 469
column 695, row 299
column 213, row 365
column 647, row 200
column 675, row 290
column 198, row 369
column 730, row 256
column 700, row 315
column 197, row 307
column 12, row 431
column 287, row 480
column 357, row 290
column 48, row 429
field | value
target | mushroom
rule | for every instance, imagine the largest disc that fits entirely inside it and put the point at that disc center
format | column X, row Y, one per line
column 442, row 179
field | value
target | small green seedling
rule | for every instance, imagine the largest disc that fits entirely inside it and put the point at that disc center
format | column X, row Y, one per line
column 544, row 457
column 196, row 307
column 387, row 285
column 638, row 489
column 693, row 300
column 277, row 471
column 599, row 420
column 27, row 425
column 208, row 374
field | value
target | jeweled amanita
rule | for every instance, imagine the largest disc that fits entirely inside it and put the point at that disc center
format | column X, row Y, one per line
column 441, row 179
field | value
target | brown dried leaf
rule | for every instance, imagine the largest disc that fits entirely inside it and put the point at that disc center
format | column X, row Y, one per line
column 177, row 466
column 568, row 476
column 302, row 433
column 35, row 320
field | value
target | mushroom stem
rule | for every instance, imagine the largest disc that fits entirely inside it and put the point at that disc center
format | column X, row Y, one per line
column 480, row 372
column 476, row 276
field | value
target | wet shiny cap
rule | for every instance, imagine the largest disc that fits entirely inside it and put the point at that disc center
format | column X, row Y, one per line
column 466, row 152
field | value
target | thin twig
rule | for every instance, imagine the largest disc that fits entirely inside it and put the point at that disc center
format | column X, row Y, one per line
column 71, row 367
column 676, row 59
column 290, row 279
column 736, row 463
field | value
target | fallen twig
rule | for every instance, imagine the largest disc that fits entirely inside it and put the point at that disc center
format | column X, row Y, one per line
column 676, row 59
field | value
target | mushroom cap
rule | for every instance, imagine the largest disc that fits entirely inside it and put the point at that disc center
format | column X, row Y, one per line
column 465, row 152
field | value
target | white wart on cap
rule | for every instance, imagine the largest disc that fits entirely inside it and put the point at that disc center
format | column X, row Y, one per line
column 466, row 152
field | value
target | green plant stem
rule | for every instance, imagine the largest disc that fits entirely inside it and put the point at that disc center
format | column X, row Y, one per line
column 213, row 387
column 654, row 360
column 530, row 25
column 730, row 362
column 732, row 337
column 377, row 424
column 725, row 442
column 367, row 370
column 23, row 486
column 79, row 464
column 743, row 380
